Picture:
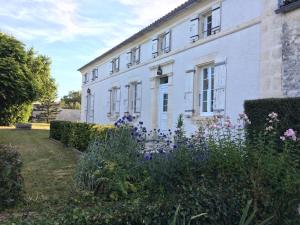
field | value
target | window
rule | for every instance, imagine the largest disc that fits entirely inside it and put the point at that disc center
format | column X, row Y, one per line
column 205, row 24
column 95, row 74
column 114, row 101
column 161, row 44
column 207, row 91
column 165, row 103
column 133, row 98
column 133, row 57
column 85, row 78
column 164, row 80
column 115, row 65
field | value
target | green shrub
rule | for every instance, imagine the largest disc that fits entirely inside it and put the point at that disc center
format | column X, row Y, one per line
column 77, row 135
column 288, row 110
column 15, row 114
column 56, row 129
column 11, row 182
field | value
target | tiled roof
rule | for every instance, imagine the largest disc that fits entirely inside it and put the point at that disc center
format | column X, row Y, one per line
column 147, row 29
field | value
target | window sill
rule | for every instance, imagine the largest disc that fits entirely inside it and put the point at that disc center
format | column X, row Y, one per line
column 288, row 8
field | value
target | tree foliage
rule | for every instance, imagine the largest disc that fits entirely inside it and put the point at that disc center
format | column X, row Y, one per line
column 72, row 100
column 48, row 106
column 24, row 78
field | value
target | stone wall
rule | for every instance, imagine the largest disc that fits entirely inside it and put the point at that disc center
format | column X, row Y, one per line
column 271, row 51
column 291, row 54
column 280, row 51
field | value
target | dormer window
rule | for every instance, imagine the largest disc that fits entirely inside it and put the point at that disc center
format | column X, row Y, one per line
column 95, row 74
column 161, row 44
column 133, row 56
column 115, row 65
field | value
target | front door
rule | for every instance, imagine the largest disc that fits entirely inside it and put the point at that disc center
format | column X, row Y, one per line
column 163, row 102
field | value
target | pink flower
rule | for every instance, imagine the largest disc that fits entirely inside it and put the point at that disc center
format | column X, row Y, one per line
column 290, row 134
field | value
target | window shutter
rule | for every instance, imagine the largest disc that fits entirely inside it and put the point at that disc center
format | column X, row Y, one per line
column 138, row 106
column 111, row 67
column 220, row 87
column 118, row 100
column 167, row 42
column 216, row 18
column 138, row 55
column 86, row 108
column 194, row 29
column 117, row 66
column 188, row 94
column 154, row 47
column 126, row 99
column 129, row 57
column 92, row 107
column 109, row 102
column 201, row 24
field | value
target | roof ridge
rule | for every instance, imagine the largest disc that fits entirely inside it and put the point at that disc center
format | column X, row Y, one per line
column 145, row 30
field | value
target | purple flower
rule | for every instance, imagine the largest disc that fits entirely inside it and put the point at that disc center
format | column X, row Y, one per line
column 147, row 156
column 290, row 134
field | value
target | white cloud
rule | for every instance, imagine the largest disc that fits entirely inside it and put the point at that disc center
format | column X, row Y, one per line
column 147, row 11
column 50, row 20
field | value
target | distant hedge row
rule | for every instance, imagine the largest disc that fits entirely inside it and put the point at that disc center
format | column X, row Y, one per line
column 288, row 110
column 77, row 135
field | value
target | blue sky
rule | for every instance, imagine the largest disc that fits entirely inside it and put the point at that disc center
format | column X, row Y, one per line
column 73, row 32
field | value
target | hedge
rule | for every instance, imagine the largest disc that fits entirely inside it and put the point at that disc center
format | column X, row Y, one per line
column 11, row 181
column 77, row 135
column 288, row 110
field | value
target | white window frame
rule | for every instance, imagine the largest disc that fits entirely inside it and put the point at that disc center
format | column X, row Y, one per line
column 161, row 41
column 134, row 98
column 210, row 92
column 206, row 30
column 115, row 65
column 95, row 74
column 115, row 101
column 134, row 57
column 85, row 78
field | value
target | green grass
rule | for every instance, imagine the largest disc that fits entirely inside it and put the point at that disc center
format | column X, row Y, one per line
column 47, row 167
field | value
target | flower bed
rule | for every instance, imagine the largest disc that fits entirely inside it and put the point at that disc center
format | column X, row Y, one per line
column 140, row 176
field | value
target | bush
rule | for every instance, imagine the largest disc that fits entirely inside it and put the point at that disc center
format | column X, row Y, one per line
column 56, row 129
column 15, row 114
column 77, row 135
column 288, row 110
column 11, row 182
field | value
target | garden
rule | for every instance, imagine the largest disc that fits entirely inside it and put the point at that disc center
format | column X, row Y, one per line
column 244, row 172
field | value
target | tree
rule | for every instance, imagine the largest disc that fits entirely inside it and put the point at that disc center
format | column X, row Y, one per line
column 17, row 84
column 49, row 107
column 72, row 100
column 24, row 77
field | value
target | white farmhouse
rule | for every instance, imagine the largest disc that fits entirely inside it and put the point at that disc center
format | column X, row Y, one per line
column 205, row 57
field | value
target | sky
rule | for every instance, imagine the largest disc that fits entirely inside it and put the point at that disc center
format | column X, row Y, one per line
column 73, row 32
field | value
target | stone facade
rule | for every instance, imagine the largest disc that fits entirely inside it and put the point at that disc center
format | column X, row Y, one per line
column 280, row 52
column 291, row 54
column 271, row 51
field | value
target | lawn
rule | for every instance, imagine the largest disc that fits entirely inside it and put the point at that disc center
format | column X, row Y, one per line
column 47, row 166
